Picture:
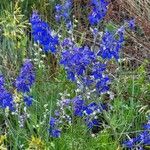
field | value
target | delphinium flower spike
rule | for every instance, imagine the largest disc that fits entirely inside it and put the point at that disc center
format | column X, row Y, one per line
column 63, row 13
column 61, row 117
column 43, row 34
column 83, row 67
column 25, row 80
column 26, row 77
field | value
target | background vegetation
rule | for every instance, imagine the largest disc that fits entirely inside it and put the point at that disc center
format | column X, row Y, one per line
column 131, row 88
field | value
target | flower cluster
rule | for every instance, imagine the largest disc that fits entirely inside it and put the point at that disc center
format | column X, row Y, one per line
column 84, row 68
column 87, row 67
column 26, row 77
column 63, row 13
column 63, row 115
column 25, row 80
column 111, row 44
column 76, row 60
column 141, row 140
column 79, row 105
column 99, row 10
column 92, row 113
column 6, row 99
column 23, row 84
column 42, row 34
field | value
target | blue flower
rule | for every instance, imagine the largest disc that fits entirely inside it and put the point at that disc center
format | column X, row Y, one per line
column 90, row 108
column 78, row 106
column 28, row 100
column 98, row 70
column 6, row 98
column 92, row 123
column 131, row 24
column 141, row 140
column 55, row 133
column 144, row 137
column 129, row 143
column 92, row 112
column 76, row 61
column 87, row 81
column 111, row 44
column 70, row 75
column 147, row 126
column 99, row 10
column 26, row 77
column 60, row 118
column 67, row 42
column 63, row 13
column 53, row 122
column 102, row 85
column 42, row 33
